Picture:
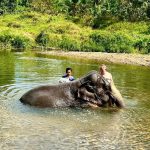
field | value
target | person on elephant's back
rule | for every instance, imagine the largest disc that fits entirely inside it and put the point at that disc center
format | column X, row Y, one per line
column 105, row 74
column 113, row 92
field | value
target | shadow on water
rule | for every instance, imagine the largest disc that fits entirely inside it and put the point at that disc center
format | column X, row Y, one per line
column 26, row 127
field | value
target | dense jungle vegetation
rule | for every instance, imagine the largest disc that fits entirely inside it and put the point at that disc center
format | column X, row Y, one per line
column 76, row 25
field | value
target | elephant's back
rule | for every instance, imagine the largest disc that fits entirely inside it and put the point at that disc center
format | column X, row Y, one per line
column 47, row 96
column 36, row 95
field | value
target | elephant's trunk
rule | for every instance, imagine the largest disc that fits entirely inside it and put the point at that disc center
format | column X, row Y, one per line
column 116, row 96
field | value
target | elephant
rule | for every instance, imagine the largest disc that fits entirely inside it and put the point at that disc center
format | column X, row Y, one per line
column 86, row 91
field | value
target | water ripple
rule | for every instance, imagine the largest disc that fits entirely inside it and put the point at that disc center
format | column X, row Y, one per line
column 25, row 127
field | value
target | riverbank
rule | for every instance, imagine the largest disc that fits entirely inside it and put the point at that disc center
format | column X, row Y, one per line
column 27, row 30
column 133, row 59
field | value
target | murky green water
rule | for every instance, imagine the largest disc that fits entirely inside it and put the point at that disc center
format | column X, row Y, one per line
column 25, row 127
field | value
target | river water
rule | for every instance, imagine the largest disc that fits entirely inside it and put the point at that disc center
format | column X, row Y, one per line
column 24, row 127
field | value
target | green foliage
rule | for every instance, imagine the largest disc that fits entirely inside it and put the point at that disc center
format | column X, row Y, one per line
column 42, row 39
column 148, row 30
column 135, row 10
column 68, row 43
column 14, row 25
column 104, row 13
column 8, row 5
column 63, row 27
column 24, row 2
column 15, row 41
column 90, row 46
column 117, row 42
column 19, row 42
column 129, row 27
column 143, row 45
column 112, row 10
column 54, row 40
column 55, row 31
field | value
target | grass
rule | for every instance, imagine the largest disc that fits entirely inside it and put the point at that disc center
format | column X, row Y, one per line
column 30, row 29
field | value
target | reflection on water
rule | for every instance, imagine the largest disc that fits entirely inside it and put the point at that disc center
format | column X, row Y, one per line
column 25, row 127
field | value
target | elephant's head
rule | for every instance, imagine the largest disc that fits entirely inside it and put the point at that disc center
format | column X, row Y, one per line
column 94, row 79
column 94, row 87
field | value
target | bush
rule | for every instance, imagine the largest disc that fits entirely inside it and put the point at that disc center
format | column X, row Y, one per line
column 117, row 42
column 6, row 38
column 20, row 42
column 15, row 41
column 27, row 16
column 148, row 30
column 89, row 46
column 14, row 25
column 54, row 40
column 68, row 43
column 143, row 45
column 42, row 39
column 63, row 27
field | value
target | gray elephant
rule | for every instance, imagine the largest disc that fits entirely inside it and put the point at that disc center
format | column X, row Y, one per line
column 85, row 92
